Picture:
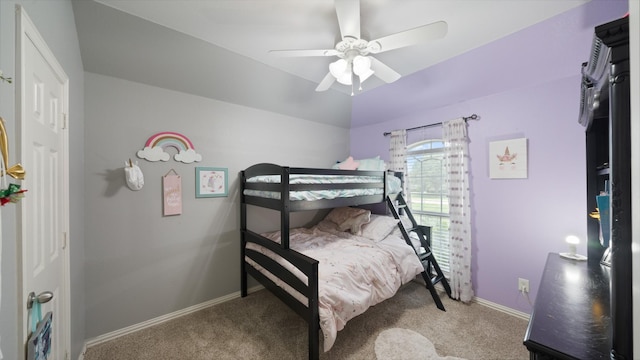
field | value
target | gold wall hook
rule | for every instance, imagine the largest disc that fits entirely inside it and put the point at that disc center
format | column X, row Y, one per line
column 16, row 171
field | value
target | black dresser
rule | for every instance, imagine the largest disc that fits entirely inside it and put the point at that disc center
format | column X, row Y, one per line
column 571, row 318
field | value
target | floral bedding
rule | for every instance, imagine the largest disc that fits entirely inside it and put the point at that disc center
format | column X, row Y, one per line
column 354, row 272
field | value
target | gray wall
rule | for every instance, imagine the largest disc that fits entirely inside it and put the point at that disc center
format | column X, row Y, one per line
column 125, row 46
column 170, row 263
column 55, row 22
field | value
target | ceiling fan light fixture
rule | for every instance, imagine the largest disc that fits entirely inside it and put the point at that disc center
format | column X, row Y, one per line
column 361, row 64
column 362, row 67
column 364, row 76
column 341, row 70
column 345, row 79
column 337, row 68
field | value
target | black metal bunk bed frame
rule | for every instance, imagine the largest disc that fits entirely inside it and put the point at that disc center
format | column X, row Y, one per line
column 308, row 266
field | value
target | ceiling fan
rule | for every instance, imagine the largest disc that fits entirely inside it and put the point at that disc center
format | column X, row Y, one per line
column 354, row 63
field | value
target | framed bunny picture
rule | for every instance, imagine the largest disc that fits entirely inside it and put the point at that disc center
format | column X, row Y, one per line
column 211, row 182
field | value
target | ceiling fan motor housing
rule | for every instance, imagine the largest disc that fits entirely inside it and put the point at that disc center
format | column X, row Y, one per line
column 349, row 47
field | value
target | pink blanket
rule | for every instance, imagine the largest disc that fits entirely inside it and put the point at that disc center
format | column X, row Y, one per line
column 354, row 272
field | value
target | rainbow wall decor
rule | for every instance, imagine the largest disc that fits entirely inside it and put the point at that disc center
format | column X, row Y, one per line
column 155, row 149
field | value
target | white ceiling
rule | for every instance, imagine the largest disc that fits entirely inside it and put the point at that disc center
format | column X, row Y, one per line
column 253, row 27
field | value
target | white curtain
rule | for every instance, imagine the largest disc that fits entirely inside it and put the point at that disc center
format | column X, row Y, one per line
column 398, row 151
column 398, row 154
column 456, row 162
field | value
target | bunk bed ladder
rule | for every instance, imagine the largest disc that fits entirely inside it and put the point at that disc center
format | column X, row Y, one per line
column 427, row 258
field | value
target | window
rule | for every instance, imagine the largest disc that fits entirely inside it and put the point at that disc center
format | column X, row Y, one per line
column 427, row 194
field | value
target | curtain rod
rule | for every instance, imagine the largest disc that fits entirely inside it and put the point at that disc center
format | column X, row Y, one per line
column 472, row 117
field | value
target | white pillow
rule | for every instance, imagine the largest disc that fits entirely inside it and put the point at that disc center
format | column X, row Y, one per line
column 372, row 164
column 379, row 227
column 407, row 225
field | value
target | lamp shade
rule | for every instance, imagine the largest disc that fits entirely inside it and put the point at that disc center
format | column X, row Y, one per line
column 338, row 67
column 573, row 242
column 572, row 239
column 341, row 70
column 362, row 67
column 361, row 64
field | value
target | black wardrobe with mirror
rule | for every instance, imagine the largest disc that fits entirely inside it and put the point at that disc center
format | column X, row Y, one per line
column 583, row 309
column 605, row 113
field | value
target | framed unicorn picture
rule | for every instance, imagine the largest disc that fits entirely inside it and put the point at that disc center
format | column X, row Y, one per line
column 508, row 159
column 211, row 182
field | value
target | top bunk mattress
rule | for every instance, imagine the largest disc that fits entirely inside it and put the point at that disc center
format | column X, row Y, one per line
column 394, row 185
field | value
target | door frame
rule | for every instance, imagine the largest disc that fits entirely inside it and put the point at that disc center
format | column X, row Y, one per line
column 27, row 31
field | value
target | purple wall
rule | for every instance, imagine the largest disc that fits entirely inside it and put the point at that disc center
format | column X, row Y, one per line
column 524, row 85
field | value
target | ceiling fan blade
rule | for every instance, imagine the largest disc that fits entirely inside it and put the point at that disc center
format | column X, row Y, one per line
column 348, row 12
column 382, row 71
column 433, row 31
column 326, row 83
column 302, row 53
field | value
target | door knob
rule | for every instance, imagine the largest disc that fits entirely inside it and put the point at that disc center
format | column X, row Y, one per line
column 42, row 298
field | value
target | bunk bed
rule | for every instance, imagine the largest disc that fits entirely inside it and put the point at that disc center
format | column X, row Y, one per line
column 268, row 257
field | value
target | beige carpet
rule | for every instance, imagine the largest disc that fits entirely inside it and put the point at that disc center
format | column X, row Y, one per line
column 261, row 327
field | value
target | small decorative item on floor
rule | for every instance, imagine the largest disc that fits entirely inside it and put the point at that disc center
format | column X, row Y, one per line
column 398, row 343
column 172, row 193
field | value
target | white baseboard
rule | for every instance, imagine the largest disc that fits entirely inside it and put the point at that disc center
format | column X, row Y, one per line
column 501, row 308
column 487, row 303
column 84, row 350
column 161, row 319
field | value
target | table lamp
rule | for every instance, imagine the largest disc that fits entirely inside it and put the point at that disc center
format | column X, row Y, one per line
column 573, row 242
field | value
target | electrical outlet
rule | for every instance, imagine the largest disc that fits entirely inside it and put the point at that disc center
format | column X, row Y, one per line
column 523, row 285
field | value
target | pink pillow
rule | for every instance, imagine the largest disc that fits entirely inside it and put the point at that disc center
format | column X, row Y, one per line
column 354, row 224
column 342, row 214
column 349, row 164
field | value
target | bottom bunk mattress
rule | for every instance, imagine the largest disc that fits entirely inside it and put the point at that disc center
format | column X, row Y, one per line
column 354, row 272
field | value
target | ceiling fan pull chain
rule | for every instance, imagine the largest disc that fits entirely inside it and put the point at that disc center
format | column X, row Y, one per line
column 353, row 78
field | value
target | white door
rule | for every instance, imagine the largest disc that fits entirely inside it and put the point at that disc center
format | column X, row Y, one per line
column 43, row 214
